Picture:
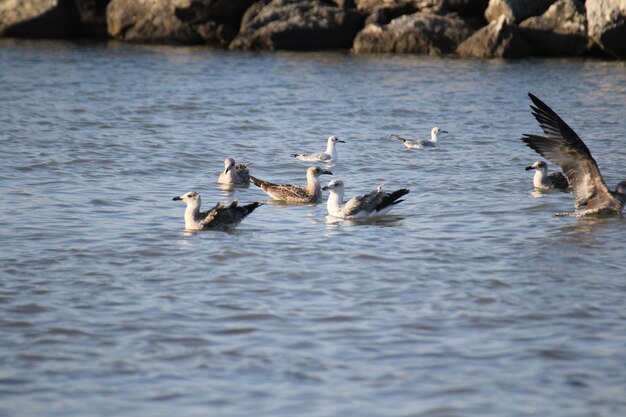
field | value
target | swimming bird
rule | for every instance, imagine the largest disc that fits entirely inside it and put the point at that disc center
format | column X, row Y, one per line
column 562, row 146
column 330, row 155
column 236, row 174
column 375, row 203
column 419, row 144
column 312, row 193
column 220, row 217
column 544, row 181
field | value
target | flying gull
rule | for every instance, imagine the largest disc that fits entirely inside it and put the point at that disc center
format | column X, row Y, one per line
column 312, row 193
column 419, row 144
column 220, row 217
column 562, row 146
column 235, row 174
column 375, row 203
column 542, row 180
column 330, row 155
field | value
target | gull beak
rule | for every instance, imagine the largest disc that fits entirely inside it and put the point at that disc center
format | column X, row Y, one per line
column 325, row 188
column 228, row 168
column 341, row 141
column 327, row 172
column 176, row 198
column 443, row 131
column 528, row 168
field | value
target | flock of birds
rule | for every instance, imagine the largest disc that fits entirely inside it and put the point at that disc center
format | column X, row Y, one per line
column 561, row 145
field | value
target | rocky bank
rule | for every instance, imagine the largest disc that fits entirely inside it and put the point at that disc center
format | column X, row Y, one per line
column 468, row 28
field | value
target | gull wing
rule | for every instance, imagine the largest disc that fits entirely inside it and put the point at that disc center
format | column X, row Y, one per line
column 563, row 147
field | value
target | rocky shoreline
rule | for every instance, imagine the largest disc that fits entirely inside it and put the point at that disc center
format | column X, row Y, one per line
column 466, row 28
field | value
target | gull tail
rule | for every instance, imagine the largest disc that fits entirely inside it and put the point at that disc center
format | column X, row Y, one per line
column 295, row 155
column 396, row 137
column 259, row 183
column 392, row 199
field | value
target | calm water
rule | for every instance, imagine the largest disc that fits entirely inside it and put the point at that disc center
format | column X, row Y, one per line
column 470, row 300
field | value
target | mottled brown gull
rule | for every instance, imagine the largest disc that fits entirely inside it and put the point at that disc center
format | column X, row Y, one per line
column 543, row 181
column 330, row 155
column 311, row 193
column 220, row 217
column 373, row 204
column 562, row 146
column 419, row 144
column 234, row 174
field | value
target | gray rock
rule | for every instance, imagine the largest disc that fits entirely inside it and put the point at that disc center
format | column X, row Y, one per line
column 560, row 31
column 607, row 25
column 516, row 10
column 37, row 18
column 298, row 25
column 150, row 21
column 419, row 33
column 499, row 39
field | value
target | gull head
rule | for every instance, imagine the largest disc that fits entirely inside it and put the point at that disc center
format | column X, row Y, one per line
column 621, row 188
column 334, row 139
column 317, row 171
column 539, row 166
column 436, row 131
column 334, row 185
column 191, row 197
column 229, row 164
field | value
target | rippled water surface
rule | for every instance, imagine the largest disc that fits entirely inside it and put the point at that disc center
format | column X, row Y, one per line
column 471, row 299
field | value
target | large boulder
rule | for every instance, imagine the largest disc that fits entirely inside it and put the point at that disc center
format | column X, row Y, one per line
column 607, row 25
column 297, row 25
column 499, row 39
column 516, row 10
column 560, row 31
column 37, row 18
column 150, row 21
column 419, row 33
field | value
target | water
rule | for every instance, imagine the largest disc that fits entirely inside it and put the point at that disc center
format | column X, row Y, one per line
column 470, row 300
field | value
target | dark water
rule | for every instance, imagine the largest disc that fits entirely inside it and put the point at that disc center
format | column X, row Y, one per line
column 470, row 300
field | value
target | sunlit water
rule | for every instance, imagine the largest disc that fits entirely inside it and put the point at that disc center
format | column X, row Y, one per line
column 471, row 299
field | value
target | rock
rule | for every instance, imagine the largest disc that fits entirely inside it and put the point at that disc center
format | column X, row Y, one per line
column 516, row 10
column 37, row 18
column 150, row 21
column 91, row 18
column 419, row 33
column 607, row 25
column 298, row 25
column 394, row 6
column 560, row 31
column 499, row 39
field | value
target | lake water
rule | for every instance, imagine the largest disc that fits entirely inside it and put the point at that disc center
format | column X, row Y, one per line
column 470, row 299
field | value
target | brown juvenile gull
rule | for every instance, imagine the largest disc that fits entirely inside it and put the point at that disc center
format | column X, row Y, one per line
column 312, row 193
column 562, row 146
column 220, row 217
column 373, row 204
column 419, row 144
column 542, row 180
column 236, row 174
column 330, row 155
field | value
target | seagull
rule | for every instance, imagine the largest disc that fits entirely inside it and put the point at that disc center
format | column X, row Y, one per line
column 373, row 204
column 419, row 144
column 236, row 174
column 312, row 193
column 543, row 181
column 220, row 217
column 562, row 146
column 330, row 155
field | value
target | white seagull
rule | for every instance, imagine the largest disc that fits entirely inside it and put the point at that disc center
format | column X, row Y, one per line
column 373, row 204
column 236, row 174
column 330, row 155
column 543, row 181
column 562, row 146
column 220, row 217
column 312, row 193
column 419, row 144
